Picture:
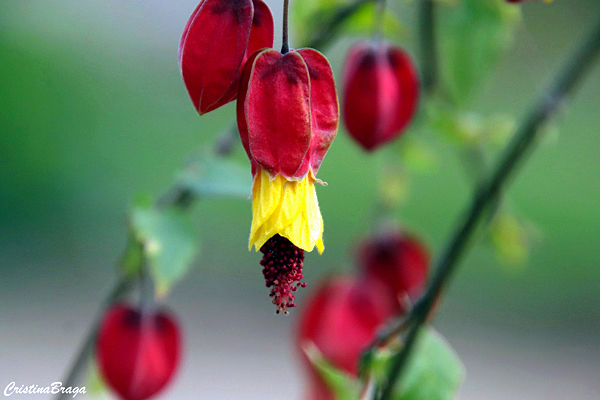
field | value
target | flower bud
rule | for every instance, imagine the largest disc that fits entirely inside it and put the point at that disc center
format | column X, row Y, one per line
column 341, row 318
column 398, row 261
column 217, row 40
column 381, row 92
column 137, row 351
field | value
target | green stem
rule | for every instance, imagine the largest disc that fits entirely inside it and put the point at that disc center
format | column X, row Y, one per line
column 427, row 48
column 547, row 104
column 285, row 44
column 79, row 364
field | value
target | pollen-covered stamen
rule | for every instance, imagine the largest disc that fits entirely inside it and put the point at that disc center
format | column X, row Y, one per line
column 282, row 269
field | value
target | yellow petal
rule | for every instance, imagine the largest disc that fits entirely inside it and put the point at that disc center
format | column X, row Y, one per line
column 287, row 208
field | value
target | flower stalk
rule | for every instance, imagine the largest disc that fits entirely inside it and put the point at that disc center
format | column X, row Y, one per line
column 285, row 41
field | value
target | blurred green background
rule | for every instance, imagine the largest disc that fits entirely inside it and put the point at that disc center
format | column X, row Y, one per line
column 93, row 111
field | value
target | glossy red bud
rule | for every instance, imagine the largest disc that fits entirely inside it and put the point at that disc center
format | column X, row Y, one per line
column 341, row 318
column 287, row 111
column 381, row 92
column 137, row 352
column 217, row 40
column 398, row 261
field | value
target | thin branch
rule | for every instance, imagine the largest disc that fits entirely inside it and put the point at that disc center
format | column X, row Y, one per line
column 547, row 104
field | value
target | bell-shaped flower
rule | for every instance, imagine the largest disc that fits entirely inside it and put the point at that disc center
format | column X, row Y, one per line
column 287, row 115
column 137, row 350
column 340, row 319
column 397, row 260
column 380, row 92
column 217, row 40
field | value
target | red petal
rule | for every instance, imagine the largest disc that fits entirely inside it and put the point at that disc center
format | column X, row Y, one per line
column 261, row 36
column 212, row 49
column 277, row 111
column 324, row 109
column 241, row 100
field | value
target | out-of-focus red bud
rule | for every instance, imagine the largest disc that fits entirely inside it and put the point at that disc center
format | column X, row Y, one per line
column 381, row 92
column 341, row 318
column 137, row 352
column 217, row 40
column 397, row 260
column 287, row 111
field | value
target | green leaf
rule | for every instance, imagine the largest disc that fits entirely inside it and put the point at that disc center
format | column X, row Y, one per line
column 168, row 239
column 212, row 176
column 95, row 385
column 474, row 34
column 343, row 385
column 434, row 372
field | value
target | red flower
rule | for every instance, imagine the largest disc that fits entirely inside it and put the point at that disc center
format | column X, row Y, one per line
column 381, row 92
column 287, row 114
column 399, row 261
column 137, row 351
column 341, row 318
column 217, row 40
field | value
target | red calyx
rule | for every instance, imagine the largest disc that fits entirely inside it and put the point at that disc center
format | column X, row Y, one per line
column 137, row 352
column 217, row 40
column 399, row 261
column 341, row 318
column 381, row 93
column 287, row 111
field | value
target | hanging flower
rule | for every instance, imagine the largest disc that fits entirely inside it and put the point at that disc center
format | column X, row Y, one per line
column 137, row 351
column 397, row 260
column 287, row 115
column 340, row 319
column 381, row 93
column 217, row 40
